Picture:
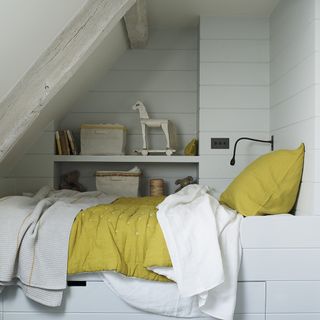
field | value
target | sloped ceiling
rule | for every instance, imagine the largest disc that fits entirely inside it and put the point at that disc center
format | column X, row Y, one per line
column 26, row 29
column 96, row 65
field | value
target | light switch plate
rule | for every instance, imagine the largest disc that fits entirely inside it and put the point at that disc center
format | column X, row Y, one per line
column 220, row 143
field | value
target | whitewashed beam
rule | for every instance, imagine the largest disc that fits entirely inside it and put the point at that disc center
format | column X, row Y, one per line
column 55, row 67
column 137, row 25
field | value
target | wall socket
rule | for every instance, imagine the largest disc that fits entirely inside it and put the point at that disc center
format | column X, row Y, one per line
column 219, row 143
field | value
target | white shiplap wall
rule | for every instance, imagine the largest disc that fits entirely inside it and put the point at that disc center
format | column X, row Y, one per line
column 7, row 186
column 234, row 94
column 294, row 78
column 164, row 77
column 35, row 168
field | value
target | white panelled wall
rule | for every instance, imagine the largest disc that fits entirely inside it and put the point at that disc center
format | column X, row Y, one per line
column 234, row 94
column 294, row 89
column 36, row 167
column 164, row 77
column 250, row 83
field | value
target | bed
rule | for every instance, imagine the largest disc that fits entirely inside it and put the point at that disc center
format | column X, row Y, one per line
column 279, row 279
column 35, row 234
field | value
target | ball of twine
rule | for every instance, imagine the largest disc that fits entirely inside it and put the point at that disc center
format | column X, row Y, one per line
column 156, row 187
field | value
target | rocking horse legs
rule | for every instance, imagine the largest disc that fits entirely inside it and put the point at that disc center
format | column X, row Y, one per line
column 143, row 128
column 165, row 128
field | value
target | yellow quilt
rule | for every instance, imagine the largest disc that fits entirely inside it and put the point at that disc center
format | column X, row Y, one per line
column 123, row 236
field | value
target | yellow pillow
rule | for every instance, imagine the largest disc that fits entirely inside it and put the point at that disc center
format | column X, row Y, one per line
column 269, row 185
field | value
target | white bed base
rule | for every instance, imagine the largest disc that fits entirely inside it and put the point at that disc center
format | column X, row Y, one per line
column 96, row 301
column 279, row 280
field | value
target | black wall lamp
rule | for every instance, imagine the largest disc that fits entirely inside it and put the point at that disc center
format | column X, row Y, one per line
column 233, row 160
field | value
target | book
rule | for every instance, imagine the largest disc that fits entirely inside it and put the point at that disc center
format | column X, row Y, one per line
column 65, row 136
column 58, row 143
column 64, row 142
column 71, row 142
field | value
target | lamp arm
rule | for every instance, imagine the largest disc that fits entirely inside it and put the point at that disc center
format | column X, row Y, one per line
column 233, row 160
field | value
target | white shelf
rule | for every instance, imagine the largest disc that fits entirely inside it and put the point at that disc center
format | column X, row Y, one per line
column 128, row 158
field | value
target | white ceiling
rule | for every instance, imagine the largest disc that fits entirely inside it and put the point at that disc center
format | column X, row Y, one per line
column 185, row 13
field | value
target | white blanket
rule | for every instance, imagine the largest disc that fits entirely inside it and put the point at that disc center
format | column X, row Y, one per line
column 34, row 235
column 153, row 296
column 204, row 245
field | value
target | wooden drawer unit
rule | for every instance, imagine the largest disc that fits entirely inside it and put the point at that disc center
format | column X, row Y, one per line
column 280, row 264
column 251, row 298
column 96, row 299
column 109, row 316
column 300, row 316
column 296, row 297
column 249, row 317
column 88, row 316
column 94, row 316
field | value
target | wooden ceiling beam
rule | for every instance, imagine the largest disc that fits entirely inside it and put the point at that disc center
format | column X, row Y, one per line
column 137, row 25
column 55, row 67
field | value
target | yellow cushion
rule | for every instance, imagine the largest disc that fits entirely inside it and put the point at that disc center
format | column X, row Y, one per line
column 191, row 148
column 269, row 185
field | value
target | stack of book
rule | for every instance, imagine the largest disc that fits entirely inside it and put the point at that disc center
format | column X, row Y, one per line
column 65, row 144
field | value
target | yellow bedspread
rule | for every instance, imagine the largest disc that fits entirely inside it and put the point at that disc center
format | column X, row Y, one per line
column 123, row 236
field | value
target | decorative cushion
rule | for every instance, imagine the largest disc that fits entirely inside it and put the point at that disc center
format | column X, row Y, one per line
column 269, row 185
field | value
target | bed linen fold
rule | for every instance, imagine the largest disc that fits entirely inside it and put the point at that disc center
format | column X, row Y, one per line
column 204, row 245
column 152, row 296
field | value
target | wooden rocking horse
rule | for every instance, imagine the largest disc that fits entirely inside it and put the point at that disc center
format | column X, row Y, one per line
column 166, row 126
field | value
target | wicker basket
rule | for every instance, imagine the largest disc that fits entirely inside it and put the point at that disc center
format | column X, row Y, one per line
column 120, row 183
column 103, row 139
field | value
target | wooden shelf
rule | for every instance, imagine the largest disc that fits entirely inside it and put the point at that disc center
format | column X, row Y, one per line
column 129, row 158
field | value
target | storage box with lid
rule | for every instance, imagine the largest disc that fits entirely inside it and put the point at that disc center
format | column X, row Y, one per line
column 103, row 139
column 120, row 183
